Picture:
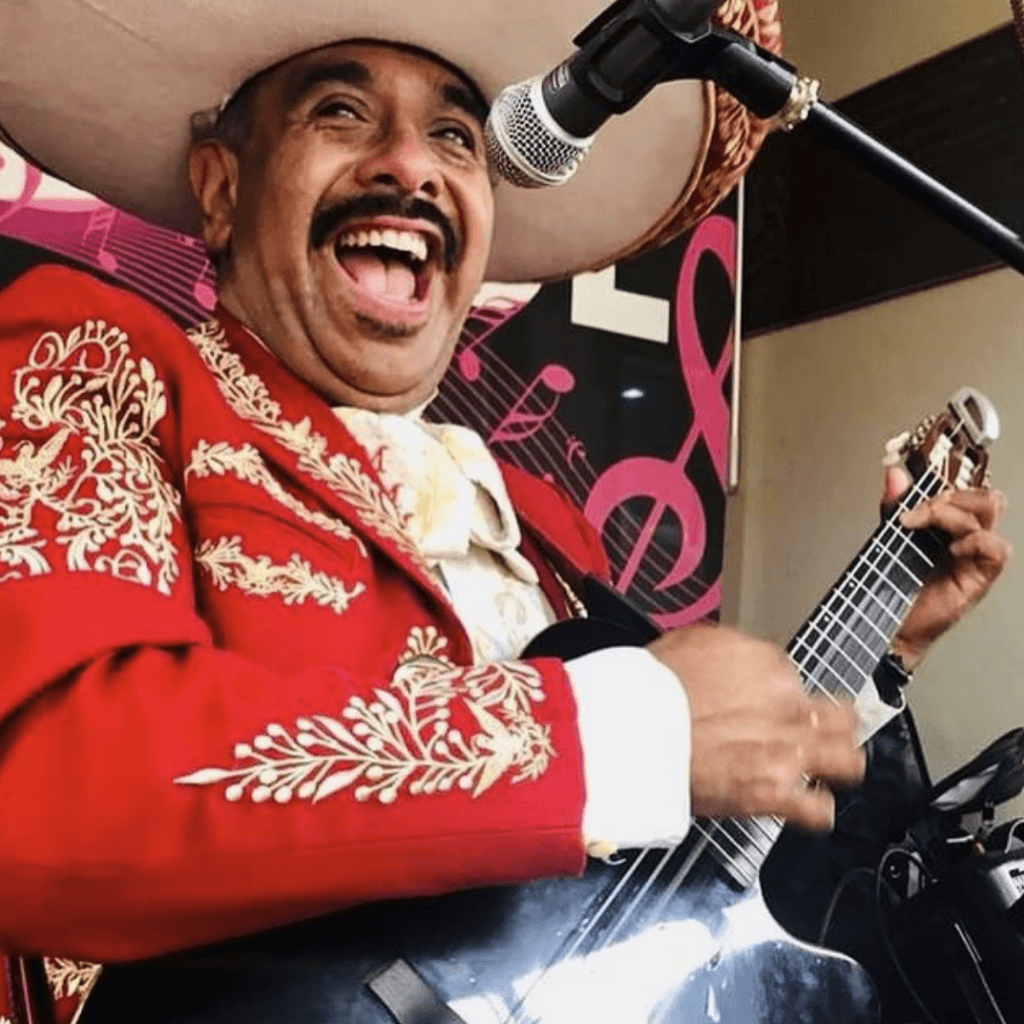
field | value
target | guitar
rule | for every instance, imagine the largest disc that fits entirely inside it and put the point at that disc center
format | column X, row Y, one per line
column 654, row 936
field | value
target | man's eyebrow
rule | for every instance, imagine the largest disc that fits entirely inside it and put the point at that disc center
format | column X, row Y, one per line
column 351, row 72
column 466, row 99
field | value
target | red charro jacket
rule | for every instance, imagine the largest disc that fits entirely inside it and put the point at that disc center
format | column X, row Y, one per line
column 231, row 693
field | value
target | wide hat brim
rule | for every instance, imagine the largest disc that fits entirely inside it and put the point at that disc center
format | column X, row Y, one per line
column 101, row 94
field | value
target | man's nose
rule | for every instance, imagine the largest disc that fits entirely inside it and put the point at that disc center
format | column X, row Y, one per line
column 402, row 158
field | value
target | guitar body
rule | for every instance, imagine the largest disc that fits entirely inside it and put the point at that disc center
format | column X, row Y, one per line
column 665, row 937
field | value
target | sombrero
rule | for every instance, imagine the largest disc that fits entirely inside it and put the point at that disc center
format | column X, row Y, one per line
column 100, row 93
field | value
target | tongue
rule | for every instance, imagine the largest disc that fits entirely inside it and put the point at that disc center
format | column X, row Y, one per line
column 382, row 277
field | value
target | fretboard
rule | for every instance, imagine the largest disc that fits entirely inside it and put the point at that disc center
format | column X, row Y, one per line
column 838, row 647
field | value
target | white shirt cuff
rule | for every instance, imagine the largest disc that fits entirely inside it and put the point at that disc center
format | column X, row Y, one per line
column 634, row 727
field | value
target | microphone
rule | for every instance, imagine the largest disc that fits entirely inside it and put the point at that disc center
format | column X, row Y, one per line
column 539, row 131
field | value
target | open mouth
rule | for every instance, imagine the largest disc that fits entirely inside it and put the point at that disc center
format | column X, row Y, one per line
column 388, row 265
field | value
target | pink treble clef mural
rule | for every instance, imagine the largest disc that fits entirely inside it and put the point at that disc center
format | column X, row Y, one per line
column 666, row 481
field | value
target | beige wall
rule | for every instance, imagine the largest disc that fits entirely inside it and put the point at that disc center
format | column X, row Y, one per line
column 848, row 45
column 819, row 401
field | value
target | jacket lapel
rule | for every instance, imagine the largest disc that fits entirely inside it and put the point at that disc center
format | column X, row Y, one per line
column 297, row 430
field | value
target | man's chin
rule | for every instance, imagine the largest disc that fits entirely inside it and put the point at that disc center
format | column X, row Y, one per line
column 382, row 329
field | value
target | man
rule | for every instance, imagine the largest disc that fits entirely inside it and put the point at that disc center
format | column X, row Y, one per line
column 259, row 666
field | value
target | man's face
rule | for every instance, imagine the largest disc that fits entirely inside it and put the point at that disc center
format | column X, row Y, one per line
column 360, row 221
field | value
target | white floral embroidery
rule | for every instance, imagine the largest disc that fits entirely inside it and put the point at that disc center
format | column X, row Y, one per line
column 403, row 738
column 294, row 582
column 69, row 978
column 344, row 475
column 247, row 464
column 102, row 408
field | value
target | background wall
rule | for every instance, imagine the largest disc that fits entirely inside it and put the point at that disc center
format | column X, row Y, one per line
column 819, row 400
column 850, row 45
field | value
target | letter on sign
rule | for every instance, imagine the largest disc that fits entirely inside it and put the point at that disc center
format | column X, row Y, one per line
column 596, row 302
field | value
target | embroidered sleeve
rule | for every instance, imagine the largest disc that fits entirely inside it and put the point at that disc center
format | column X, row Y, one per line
column 403, row 741
column 81, row 481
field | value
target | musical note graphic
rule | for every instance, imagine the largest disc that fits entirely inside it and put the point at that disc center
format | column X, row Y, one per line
column 203, row 284
column 573, row 447
column 101, row 220
column 203, row 288
column 481, row 323
column 520, row 422
column 666, row 481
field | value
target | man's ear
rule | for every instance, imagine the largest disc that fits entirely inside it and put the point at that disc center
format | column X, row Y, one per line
column 213, row 177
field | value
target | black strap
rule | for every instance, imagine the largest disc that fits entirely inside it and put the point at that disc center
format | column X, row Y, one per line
column 408, row 997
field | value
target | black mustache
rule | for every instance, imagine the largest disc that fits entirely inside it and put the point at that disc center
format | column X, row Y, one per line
column 385, row 204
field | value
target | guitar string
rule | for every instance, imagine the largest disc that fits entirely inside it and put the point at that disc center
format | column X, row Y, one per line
column 717, row 836
column 891, row 530
column 638, row 897
column 741, row 825
column 595, row 920
column 613, row 895
column 881, row 547
column 831, row 612
column 818, row 664
column 680, row 877
column 837, row 601
column 918, row 490
column 841, row 602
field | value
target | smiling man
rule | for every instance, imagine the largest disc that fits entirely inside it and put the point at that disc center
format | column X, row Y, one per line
column 357, row 219
column 263, row 623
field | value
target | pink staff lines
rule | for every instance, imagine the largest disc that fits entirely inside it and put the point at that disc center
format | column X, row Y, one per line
column 164, row 266
column 481, row 391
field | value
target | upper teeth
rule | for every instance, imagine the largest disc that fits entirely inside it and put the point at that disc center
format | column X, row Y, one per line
column 403, row 241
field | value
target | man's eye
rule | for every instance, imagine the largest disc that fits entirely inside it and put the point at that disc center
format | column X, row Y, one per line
column 337, row 108
column 459, row 135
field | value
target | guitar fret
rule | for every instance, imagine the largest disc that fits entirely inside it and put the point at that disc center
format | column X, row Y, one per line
column 813, row 664
column 844, row 639
column 857, row 617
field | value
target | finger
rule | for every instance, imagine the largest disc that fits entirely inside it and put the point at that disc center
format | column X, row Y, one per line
column 810, row 808
column 838, row 761
column 990, row 552
column 987, row 504
column 829, row 719
column 895, row 482
column 987, row 507
column 943, row 515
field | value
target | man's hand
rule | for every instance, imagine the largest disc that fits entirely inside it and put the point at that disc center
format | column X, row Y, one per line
column 757, row 739
column 977, row 555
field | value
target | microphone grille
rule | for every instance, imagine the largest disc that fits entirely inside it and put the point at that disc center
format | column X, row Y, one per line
column 525, row 145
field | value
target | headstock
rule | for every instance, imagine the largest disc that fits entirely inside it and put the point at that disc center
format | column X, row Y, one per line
column 951, row 447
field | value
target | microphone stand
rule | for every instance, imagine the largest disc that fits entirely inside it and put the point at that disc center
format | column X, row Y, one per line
column 771, row 88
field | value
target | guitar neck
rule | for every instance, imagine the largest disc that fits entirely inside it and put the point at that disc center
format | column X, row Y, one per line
column 839, row 645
